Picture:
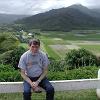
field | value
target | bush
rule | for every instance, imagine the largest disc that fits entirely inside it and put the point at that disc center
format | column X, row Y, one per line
column 81, row 57
column 6, row 68
column 56, row 65
column 15, row 56
column 9, row 74
column 80, row 73
column 4, row 57
column 87, row 72
column 56, row 75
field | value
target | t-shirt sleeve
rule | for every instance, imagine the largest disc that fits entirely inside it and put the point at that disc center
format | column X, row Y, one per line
column 45, row 61
column 22, row 63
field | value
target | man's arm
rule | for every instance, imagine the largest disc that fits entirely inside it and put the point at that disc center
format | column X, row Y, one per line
column 45, row 68
column 44, row 73
column 25, row 77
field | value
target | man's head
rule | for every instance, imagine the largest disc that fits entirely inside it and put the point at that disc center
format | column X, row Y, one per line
column 34, row 45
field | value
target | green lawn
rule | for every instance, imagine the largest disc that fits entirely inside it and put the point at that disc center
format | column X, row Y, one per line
column 66, row 95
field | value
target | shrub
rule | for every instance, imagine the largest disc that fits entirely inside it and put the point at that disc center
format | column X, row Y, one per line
column 87, row 72
column 79, row 73
column 56, row 75
column 10, row 76
column 4, row 57
column 8, row 73
column 15, row 56
column 81, row 57
column 57, row 65
column 6, row 68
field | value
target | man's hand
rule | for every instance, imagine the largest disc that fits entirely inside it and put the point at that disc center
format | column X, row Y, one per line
column 34, row 84
column 35, row 87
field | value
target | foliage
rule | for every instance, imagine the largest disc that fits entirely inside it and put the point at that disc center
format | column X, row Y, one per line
column 8, row 73
column 10, row 76
column 56, row 65
column 7, row 42
column 12, row 57
column 81, row 57
column 4, row 57
column 6, row 68
column 64, row 19
column 15, row 56
column 80, row 73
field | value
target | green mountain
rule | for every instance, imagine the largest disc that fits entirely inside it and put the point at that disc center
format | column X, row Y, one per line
column 94, row 12
column 9, row 18
column 97, row 10
column 63, row 19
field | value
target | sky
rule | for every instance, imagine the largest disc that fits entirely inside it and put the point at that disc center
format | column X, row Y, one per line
column 31, row 7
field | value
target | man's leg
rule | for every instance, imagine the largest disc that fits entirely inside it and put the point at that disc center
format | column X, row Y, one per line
column 27, row 91
column 45, row 84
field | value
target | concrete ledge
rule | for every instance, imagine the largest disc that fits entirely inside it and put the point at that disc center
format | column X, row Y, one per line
column 61, row 85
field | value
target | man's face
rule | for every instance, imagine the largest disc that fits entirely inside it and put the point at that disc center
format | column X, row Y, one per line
column 34, row 48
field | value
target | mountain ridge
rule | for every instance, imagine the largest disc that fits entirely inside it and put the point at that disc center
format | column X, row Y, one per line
column 9, row 18
column 63, row 19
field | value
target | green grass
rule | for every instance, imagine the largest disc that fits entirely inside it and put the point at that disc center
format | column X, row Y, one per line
column 65, row 95
column 71, row 35
column 66, row 38
column 53, row 41
column 48, row 49
column 93, row 48
column 51, row 52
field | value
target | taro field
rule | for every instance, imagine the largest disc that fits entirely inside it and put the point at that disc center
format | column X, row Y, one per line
column 57, row 44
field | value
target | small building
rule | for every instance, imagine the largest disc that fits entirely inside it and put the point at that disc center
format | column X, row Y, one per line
column 30, row 34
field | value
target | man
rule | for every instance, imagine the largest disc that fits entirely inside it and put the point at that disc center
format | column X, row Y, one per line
column 34, row 68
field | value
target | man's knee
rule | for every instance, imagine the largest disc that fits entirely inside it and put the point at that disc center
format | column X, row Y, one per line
column 26, row 87
column 50, row 89
column 27, row 90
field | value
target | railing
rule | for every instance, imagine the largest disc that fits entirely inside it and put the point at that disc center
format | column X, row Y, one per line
column 62, row 85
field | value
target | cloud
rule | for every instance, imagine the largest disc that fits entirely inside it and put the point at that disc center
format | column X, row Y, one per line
column 37, row 6
column 94, row 3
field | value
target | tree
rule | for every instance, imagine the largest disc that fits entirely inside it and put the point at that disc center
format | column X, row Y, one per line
column 79, row 58
column 8, row 42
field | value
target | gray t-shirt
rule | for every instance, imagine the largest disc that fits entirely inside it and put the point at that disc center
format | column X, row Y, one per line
column 33, row 64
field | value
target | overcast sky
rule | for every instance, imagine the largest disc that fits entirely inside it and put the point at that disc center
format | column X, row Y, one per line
column 36, row 6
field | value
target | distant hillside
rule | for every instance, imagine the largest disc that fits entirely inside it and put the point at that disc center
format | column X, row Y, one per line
column 64, row 19
column 92, row 12
column 9, row 18
column 96, row 10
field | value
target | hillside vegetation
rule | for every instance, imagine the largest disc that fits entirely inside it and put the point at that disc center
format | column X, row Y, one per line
column 63, row 19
